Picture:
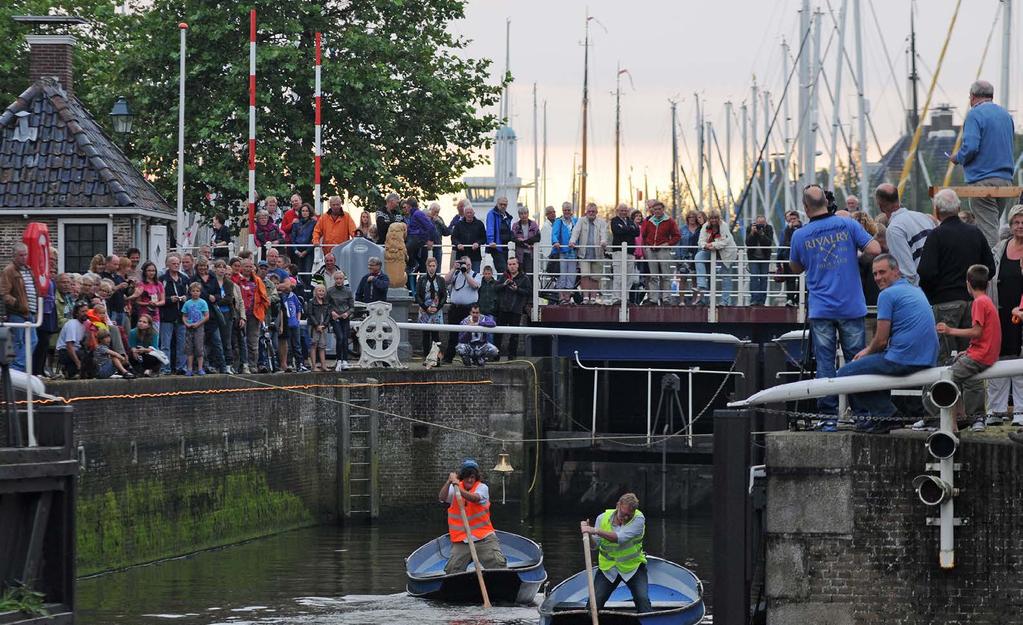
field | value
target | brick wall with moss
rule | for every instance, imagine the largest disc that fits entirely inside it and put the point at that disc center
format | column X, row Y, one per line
column 175, row 465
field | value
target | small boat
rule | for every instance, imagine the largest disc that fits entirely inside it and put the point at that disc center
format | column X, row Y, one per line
column 518, row 583
column 676, row 595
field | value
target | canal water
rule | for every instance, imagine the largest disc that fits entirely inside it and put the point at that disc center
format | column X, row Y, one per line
column 350, row 575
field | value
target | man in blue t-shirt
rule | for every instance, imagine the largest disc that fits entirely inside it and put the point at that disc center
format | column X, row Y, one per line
column 905, row 341
column 826, row 248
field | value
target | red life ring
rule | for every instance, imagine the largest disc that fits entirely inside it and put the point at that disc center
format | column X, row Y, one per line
column 37, row 238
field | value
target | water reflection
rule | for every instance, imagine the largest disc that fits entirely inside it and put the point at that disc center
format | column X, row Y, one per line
column 346, row 575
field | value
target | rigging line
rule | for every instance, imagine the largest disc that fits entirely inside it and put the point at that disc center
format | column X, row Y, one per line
column 931, row 74
column 685, row 178
column 887, row 56
column 777, row 110
column 856, row 83
column 911, row 155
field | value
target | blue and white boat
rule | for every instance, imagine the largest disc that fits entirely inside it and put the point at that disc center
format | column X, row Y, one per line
column 518, row 583
column 676, row 595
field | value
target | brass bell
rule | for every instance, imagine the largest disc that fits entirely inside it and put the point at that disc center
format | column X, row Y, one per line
column 503, row 466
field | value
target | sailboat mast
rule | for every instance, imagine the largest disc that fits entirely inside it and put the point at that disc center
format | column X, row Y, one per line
column 618, row 133
column 586, row 105
column 674, row 161
column 545, row 153
column 536, row 160
column 699, row 150
column 862, row 106
column 1006, row 52
column 914, row 117
column 836, row 114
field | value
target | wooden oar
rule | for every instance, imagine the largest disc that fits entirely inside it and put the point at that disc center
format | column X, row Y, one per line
column 472, row 547
column 589, row 577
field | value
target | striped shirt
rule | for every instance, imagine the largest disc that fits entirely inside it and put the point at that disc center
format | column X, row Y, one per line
column 907, row 232
column 30, row 291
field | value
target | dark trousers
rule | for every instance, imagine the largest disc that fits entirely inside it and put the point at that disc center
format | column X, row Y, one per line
column 602, row 589
column 500, row 256
column 456, row 314
column 40, row 352
column 341, row 328
column 509, row 319
column 225, row 322
column 414, row 247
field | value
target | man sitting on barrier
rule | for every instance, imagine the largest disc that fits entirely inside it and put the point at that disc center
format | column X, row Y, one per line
column 904, row 342
column 476, row 347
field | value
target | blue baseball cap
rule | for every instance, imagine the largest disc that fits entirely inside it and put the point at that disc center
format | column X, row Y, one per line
column 470, row 463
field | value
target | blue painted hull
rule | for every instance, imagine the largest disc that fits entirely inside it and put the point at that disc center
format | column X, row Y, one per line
column 675, row 592
column 519, row 583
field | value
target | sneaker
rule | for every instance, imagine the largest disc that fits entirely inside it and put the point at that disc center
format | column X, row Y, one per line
column 201, row 371
column 1016, row 437
column 864, row 425
column 829, row 425
column 116, row 376
column 481, row 361
column 188, row 373
column 993, row 420
column 978, row 425
column 303, row 369
column 147, row 373
column 246, row 370
column 129, row 376
column 228, row 370
column 466, row 361
column 337, row 366
column 1018, row 420
column 344, row 365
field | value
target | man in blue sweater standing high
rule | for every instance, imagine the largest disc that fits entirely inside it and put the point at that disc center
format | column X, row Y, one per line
column 986, row 154
column 499, row 234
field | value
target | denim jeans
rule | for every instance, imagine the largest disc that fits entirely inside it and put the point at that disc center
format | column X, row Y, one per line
column 638, row 585
column 874, row 403
column 827, row 334
column 758, row 282
column 172, row 335
column 18, row 340
column 214, row 345
column 724, row 273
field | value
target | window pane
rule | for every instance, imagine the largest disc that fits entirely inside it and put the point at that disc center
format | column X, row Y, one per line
column 81, row 243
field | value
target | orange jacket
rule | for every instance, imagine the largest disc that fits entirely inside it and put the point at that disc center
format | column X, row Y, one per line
column 478, row 515
column 331, row 230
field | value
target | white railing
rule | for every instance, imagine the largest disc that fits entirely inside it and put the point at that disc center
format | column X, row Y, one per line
column 649, row 393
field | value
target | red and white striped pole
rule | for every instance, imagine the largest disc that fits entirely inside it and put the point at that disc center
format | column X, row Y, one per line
column 319, row 151
column 252, row 129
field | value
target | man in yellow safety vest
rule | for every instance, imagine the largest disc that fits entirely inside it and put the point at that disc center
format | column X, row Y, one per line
column 620, row 556
column 476, row 496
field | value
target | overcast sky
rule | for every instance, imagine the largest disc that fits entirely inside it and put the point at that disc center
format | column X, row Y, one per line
column 676, row 48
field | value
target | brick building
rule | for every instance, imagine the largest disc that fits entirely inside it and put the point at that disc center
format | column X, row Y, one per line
column 59, row 167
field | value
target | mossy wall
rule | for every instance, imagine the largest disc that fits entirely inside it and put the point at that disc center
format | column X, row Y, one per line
column 170, row 466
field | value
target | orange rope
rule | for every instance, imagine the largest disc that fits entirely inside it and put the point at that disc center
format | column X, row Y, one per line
column 72, row 400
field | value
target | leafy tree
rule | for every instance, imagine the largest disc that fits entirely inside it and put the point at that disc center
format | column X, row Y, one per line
column 400, row 107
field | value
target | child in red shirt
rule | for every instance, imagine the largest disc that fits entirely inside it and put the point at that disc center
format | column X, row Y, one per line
column 985, row 339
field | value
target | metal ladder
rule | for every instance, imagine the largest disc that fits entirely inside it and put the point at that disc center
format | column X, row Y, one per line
column 357, row 452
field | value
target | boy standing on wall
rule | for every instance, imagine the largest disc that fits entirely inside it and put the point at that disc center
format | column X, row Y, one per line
column 985, row 341
column 196, row 313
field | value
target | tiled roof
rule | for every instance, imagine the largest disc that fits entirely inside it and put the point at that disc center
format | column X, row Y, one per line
column 70, row 162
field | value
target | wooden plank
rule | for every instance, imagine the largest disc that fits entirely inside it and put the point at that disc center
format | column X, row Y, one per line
column 979, row 191
column 38, row 469
column 34, row 485
column 34, row 554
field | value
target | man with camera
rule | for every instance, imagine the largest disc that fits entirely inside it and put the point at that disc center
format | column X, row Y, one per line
column 463, row 291
column 759, row 240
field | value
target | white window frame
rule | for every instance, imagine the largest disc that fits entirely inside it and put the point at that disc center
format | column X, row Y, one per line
column 82, row 220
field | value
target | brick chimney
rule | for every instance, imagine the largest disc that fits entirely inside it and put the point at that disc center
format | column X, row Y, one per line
column 51, row 56
column 51, row 47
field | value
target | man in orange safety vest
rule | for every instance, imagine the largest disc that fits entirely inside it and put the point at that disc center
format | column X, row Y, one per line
column 476, row 497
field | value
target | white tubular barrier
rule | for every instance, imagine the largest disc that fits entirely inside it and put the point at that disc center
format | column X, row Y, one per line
column 26, row 381
column 824, row 387
column 696, row 337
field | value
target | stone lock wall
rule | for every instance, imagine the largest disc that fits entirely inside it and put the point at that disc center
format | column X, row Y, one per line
column 847, row 541
column 174, row 465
